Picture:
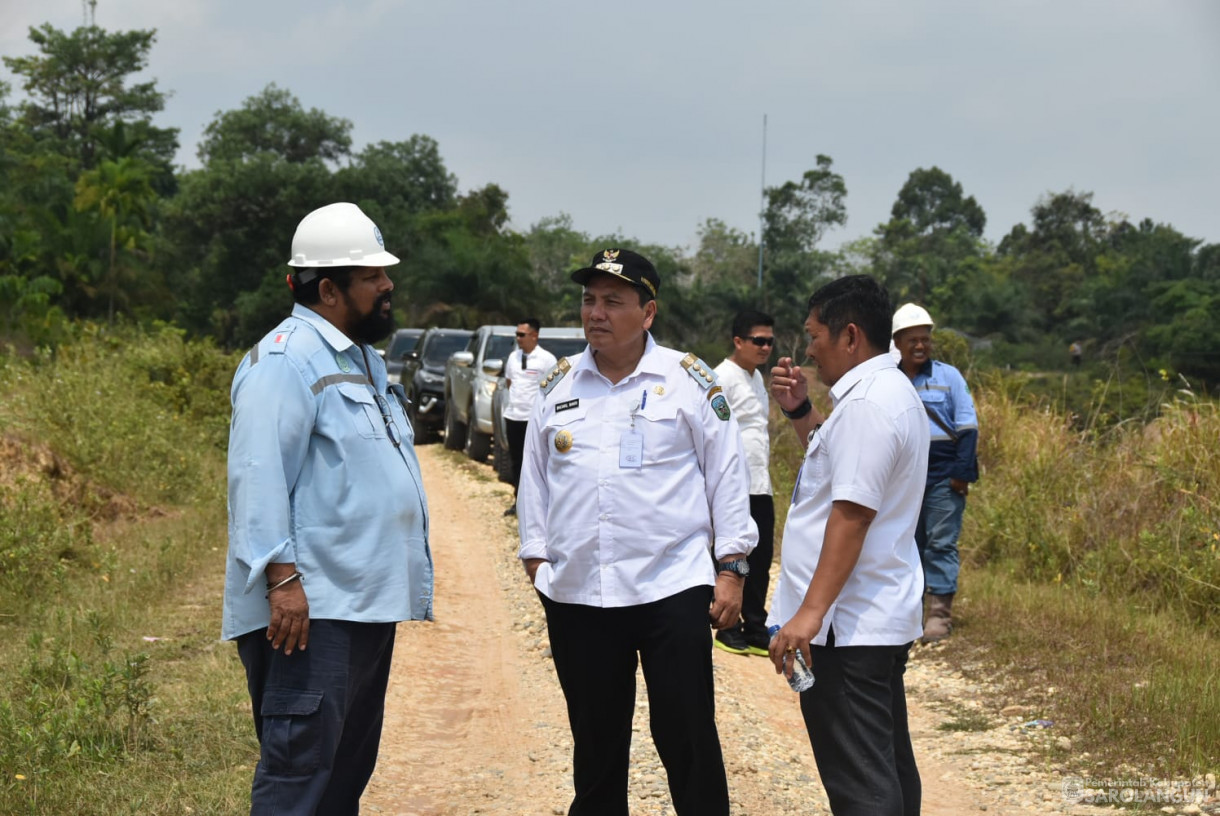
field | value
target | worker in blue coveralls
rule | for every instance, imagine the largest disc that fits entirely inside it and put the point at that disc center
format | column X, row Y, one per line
column 952, row 463
column 328, row 523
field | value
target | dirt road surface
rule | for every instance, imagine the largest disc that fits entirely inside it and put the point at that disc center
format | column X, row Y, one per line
column 476, row 724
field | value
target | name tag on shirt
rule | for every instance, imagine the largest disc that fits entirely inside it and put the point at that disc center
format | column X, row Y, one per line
column 564, row 406
column 631, row 450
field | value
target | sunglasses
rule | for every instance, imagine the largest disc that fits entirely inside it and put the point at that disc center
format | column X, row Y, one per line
column 760, row 340
column 521, row 334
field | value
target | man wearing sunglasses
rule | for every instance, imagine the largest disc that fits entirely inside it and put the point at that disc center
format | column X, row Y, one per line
column 741, row 378
column 328, row 523
column 526, row 366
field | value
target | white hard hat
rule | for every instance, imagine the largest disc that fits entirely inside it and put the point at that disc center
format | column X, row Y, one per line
column 339, row 235
column 909, row 315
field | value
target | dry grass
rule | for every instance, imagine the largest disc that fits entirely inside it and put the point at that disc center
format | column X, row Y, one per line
column 1091, row 576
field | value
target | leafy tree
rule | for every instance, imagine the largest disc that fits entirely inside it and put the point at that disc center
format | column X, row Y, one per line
column 231, row 223
column 933, row 234
column 725, row 255
column 120, row 193
column 1056, row 256
column 395, row 181
column 555, row 248
column 273, row 122
column 78, row 87
column 797, row 217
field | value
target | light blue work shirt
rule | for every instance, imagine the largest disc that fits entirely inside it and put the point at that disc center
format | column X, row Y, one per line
column 315, row 479
column 944, row 393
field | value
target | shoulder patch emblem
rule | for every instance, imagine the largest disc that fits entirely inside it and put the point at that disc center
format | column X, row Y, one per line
column 274, row 343
column 719, row 404
column 700, row 371
column 557, row 373
column 279, row 340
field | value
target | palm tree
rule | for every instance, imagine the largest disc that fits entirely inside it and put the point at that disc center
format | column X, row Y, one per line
column 119, row 191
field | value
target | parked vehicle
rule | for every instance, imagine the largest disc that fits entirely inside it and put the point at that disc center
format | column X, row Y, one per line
column 470, row 381
column 401, row 342
column 423, row 377
column 562, row 342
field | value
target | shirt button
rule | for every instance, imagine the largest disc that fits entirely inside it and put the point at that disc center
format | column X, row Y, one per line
column 604, row 516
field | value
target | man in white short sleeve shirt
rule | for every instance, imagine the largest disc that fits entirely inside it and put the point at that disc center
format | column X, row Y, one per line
column 526, row 366
column 849, row 592
column 741, row 377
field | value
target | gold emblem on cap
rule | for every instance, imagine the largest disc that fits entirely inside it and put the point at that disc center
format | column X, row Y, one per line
column 610, row 255
column 563, row 441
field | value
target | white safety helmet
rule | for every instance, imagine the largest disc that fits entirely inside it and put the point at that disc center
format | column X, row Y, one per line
column 338, row 235
column 909, row 315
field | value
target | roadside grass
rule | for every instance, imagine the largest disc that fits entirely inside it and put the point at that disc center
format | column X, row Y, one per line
column 1091, row 566
column 119, row 697
column 962, row 718
column 1135, row 692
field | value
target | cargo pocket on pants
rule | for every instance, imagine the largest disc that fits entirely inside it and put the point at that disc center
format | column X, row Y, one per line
column 292, row 731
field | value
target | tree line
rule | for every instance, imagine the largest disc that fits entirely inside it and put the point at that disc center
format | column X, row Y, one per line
column 96, row 223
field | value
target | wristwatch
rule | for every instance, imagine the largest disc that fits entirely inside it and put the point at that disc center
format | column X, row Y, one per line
column 738, row 567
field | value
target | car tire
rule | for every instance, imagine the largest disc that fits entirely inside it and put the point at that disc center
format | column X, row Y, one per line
column 455, row 431
column 502, row 461
column 478, row 444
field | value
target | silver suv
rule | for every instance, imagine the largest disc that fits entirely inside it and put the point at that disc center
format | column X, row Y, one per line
column 470, row 382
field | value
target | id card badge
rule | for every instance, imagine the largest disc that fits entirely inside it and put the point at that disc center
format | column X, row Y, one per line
column 631, row 450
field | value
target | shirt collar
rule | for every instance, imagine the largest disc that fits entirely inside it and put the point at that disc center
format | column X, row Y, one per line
column 849, row 380
column 330, row 333
column 650, row 363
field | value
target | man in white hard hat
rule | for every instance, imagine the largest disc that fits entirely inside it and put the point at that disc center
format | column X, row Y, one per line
column 952, row 464
column 328, row 522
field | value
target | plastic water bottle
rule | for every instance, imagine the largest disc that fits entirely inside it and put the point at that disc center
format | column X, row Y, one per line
column 802, row 675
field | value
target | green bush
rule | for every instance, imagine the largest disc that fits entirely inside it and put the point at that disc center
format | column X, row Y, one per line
column 141, row 412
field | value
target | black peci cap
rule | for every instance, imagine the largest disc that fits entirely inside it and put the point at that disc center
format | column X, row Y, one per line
column 625, row 265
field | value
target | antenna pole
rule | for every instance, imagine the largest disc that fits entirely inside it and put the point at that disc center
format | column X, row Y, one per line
column 762, row 209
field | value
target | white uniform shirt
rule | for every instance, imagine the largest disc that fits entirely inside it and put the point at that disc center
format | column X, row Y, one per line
column 873, row 451
column 747, row 396
column 524, row 381
column 619, row 536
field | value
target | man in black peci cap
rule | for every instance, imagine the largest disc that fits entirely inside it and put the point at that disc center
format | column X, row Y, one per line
column 633, row 471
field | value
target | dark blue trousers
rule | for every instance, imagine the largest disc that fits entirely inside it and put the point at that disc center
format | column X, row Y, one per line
column 318, row 715
column 856, row 715
column 595, row 651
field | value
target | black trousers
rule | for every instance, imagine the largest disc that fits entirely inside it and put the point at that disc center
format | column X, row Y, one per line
column 856, row 716
column 515, row 431
column 318, row 715
column 754, row 593
column 596, row 651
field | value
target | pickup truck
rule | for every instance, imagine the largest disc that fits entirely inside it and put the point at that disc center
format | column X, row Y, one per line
column 423, row 377
column 470, row 382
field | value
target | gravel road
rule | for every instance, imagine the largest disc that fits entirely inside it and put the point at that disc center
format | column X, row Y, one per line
column 476, row 723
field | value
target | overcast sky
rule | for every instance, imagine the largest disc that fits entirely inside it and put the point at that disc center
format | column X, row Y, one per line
column 646, row 117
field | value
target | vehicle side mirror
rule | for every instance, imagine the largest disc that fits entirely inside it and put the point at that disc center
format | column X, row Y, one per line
column 493, row 366
column 410, row 355
column 462, row 358
column 381, row 353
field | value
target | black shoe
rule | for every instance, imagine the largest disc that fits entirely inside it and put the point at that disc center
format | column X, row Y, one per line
column 512, row 510
column 731, row 641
